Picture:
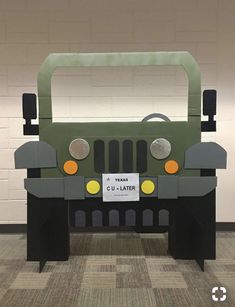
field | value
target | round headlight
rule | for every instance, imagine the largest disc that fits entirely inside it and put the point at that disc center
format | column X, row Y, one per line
column 160, row 148
column 79, row 149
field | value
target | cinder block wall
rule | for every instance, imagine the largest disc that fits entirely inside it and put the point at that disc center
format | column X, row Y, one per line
column 30, row 30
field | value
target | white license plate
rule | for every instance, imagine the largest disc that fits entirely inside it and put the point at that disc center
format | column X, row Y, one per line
column 120, row 187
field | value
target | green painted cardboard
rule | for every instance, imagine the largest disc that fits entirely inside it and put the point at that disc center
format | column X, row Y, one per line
column 181, row 134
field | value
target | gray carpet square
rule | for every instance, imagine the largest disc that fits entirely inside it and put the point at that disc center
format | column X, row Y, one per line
column 65, row 280
column 99, row 280
column 30, row 281
column 136, row 264
column 167, row 280
column 133, row 280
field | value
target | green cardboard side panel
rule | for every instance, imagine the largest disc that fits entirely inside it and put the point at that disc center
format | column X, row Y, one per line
column 207, row 155
column 35, row 154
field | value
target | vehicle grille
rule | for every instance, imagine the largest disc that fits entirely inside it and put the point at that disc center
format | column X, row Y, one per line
column 133, row 156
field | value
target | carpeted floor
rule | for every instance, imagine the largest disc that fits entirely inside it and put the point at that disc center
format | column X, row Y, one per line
column 107, row 270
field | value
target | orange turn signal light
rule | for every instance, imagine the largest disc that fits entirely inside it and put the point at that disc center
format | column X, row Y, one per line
column 70, row 167
column 171, row 167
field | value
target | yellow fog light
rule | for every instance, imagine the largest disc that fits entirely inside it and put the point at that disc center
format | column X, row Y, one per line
column 70, row 167
column 93, row 187
column 147, row 186
column 171, row 167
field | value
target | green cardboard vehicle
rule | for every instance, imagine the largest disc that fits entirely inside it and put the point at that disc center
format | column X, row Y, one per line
column 156, row 149
column 73, row 162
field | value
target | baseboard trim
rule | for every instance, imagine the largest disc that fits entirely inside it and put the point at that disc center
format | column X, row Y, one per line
column 225, row 226
column 13, row 228
column 22, row 228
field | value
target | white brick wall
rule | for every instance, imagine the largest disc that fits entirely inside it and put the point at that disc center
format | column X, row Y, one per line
column 31, row 29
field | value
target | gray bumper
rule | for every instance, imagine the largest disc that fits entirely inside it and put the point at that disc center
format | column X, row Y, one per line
column 167, row 187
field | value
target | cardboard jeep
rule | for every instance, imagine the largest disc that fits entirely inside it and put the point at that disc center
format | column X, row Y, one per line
column 147, row 176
